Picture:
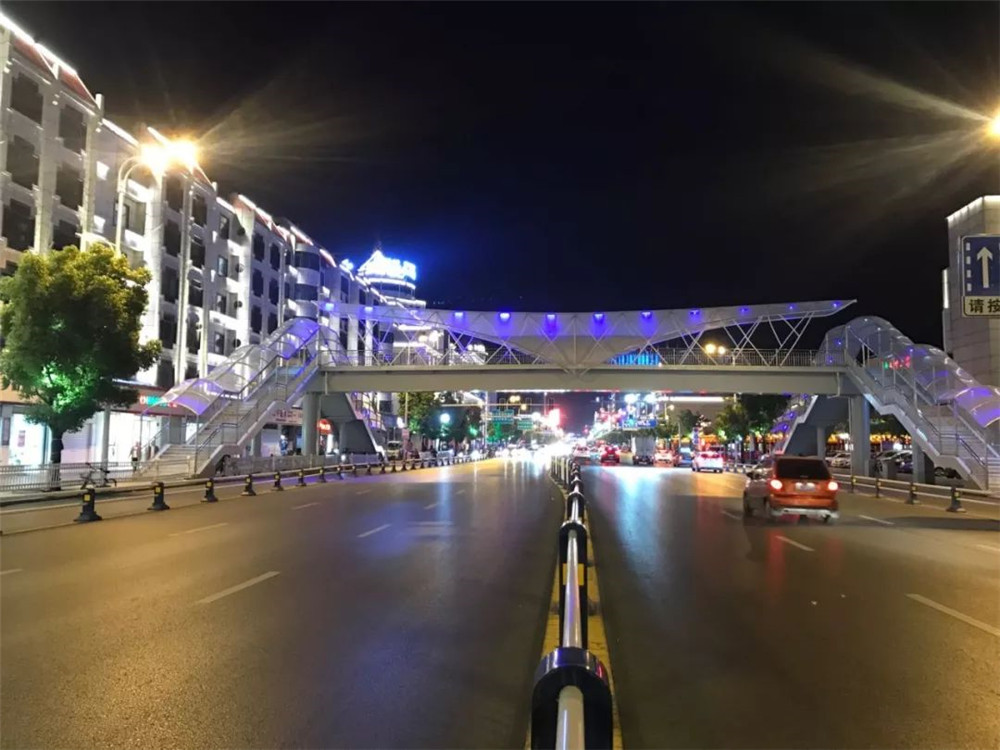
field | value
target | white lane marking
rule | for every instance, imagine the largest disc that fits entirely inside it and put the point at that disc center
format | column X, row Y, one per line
column 877, row 520
column 460, row 492
column 376, row 530
column 432, row 523
column 11, row 570
column 731, row 515
column 362, row 492
column 430, row 505
column 200, row 528
column 238, row 587
column 792, row 542
column 956, row 614
column 300, row 507
column 989, row 547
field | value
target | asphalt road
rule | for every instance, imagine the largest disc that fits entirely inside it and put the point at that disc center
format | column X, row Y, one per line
column 882, row 631
column 404, row 610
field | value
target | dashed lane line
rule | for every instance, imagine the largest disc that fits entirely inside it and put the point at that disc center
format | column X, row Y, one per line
column 11, row 570
column 362, row 492
column 990, row 547
column 732, row 515
column 239, row 587
column 792, row 542
column 877, row 520
column 376, row 530
column 430, row 505
column 956, row 614
column 199, row 529
column 306, row 505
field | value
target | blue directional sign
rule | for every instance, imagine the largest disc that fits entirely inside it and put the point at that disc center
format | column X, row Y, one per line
column 981, row 276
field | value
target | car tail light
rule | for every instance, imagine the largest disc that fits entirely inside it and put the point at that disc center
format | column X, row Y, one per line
column 833, row 486
column 776, row 484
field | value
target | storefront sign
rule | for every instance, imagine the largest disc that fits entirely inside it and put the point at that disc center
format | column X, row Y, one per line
column 287, row 416
column 323, row 427
column 383, row 267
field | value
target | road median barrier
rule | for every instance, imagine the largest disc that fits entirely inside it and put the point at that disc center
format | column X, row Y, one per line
column 571, row 702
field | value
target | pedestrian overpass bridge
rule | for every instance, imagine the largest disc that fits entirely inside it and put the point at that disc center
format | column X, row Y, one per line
column 750, row 348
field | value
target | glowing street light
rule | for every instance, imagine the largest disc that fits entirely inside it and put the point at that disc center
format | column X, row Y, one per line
column 445, row 418
column 710, row 348
column 156, row 158
column 994, row 128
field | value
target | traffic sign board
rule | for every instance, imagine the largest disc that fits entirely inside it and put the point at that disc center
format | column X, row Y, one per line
column 981, row 275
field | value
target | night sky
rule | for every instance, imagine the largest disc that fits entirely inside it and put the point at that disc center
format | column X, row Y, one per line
column 581, row 157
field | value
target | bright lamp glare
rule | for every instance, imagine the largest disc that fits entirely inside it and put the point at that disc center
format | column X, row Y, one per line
column 710, row 348
column 445, row 418
column 995, row 126
column 155, row 157
column 183, row 152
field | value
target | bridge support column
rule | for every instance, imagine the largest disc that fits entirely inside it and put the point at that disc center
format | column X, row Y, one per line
column 310, row 416
column 821, row 440
column 923, row 468
column 861, row 436
column 257, row 445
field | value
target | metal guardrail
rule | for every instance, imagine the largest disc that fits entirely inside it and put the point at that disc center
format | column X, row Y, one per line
column 24, row 478
column 571, row 703
column 89, row 495
column 912, row 491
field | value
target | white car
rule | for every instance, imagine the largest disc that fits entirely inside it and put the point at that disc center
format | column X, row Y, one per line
column 581, row 453
column 841, row 460
column 707, row 461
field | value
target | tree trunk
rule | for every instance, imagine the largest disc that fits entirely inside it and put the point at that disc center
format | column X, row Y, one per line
column 55, row 459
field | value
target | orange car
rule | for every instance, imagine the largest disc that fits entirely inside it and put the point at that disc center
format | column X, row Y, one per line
column 791, row 486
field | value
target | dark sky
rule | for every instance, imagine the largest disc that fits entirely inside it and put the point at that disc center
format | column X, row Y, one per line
column 581, row 157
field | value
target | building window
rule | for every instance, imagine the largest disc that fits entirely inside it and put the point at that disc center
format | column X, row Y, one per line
column 306, row 292
column 255, row 319
column 22, row 162
column 221, row 305
column 258, row 247
column 197, row 253
column 26, row 98
column 165, row 374
column 191, row 372
column 306, row 260
column 257, row 283
column 288, row 257
column 135, row 215
column 343, row 334
column 222, row 266
column 275, row 257
column 362, row 297
column 199, row 210
column 168, row 331
column 272, row 322
column 19, row 225
column 272, row 292
column 193, row 341
column 72, row 129
column 169, row 284
column 64, row 234
column 196, row 295
column 224, row 226
column 172, row 239
column 345, row 287
column 288, row 290
column 173, row 190
column 69, row 186
column 219, row 342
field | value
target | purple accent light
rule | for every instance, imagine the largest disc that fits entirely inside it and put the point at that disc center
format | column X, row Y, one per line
column 459, row 315
column 693, row 313
column 646, row 315
column 836, row 305
column 744, row 311
column 550, row 317
column 368, row 308
column 599, row 317
column 504, row 317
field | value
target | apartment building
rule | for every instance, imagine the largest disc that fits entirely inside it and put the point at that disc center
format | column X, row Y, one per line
column 225, row 272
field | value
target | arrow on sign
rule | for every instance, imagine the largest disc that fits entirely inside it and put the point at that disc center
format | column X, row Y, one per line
column 985, row 256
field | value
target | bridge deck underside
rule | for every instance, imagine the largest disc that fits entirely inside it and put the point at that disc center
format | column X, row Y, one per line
column 690, row 379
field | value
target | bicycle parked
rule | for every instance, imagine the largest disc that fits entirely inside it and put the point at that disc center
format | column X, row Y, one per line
column 106, row 480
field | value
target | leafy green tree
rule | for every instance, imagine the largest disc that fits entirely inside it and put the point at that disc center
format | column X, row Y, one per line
column 70, row 321
column 419, row 405
column 762, row 410
column 687, row 420
column 732, row 420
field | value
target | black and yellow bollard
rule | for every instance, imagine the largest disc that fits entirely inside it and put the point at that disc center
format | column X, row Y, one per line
column 302, row 478
column 87, row 512
column 956, row 502
column 393, row 467
column 277, row 482
column 322, row 474
column 383, row 468
column 355, row 468
column 248, row 490
column 878, row 486
column 369, row 472
column 210, row 492
column 404, row 465
column 911, row 495
column 158, row 501
column 340, row 471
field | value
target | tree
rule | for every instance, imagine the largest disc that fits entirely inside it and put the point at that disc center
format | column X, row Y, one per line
column 70, row 322
column 418, row 406
column 687, row 420
column 732, row 420
column 762, row 410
